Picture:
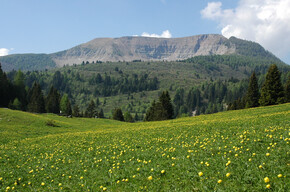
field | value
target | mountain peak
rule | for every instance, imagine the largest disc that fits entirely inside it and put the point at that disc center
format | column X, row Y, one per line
column 145, row 48
column 131, row 48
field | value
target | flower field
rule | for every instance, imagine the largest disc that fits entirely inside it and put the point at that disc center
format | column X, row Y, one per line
column 245, row 150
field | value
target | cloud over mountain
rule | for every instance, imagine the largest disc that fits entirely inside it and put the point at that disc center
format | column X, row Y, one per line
column 4, row 51
column 165, row 34
column 264, row 21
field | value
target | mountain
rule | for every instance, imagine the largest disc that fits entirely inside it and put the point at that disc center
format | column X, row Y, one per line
column 139, row 48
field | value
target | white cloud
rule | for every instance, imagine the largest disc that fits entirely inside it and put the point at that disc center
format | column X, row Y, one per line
column 264, row 21
column 165, row 34
column 4, row 51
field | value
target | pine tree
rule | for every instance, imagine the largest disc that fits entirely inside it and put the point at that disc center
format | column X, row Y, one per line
column 272, row 91
column 161, row 110
column 252, row 97
column 118, row 115
column 128, row 117
column 91, row 110
column 166, row 105
column 6, row 93
column 36, row 104
column 76, row 111
column 15, row 105
column 53, row 101
column 287, row 90
column 136, row 117
column 19, row 88
column 101, row 114
column 65, row 106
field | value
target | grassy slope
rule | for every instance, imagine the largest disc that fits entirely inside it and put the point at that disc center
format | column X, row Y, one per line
column 96, row 152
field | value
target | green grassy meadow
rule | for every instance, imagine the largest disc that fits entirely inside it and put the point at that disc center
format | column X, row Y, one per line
column 244, row 150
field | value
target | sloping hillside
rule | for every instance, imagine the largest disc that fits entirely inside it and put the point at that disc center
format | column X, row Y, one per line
column 246, row 150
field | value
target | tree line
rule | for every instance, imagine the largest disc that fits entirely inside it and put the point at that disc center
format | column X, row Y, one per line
column 15, row 95
column 272, row 92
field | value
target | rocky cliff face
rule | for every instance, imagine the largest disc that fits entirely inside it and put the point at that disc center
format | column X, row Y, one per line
column 145, row 48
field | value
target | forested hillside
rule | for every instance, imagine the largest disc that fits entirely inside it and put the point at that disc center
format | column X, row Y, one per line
column 204, row 84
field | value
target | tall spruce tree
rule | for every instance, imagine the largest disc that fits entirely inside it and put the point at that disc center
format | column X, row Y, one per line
column 91, row 110
column 6, row 93
column 65, row 105
column 160, row 110
column 76, row 111
column 165, row 101
column 36, row 104
column 253, row 95
column 118, row 115
column 19, row 87
column 287, row 90
column 272, row 91
column 128, row 117
column 53, row 101
column 101, row 113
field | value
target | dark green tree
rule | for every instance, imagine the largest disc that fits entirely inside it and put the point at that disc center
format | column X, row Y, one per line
column 65, row 106
column 160, row 110
column 19, row 87
column 101, row 114
column 166, row 104
column 76, row 111
column 53, row 101
column 272, row 91
column 15, row 105
column 136, row 117
column 57, row 80
column 128, row 117
column 178, row 100
column 287, row 90
column 253, row 95
column 91, row 110
column 118, row 115
column 6, row 92
column 36, row 104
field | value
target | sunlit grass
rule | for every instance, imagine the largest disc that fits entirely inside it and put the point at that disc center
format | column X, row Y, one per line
column 246, row 150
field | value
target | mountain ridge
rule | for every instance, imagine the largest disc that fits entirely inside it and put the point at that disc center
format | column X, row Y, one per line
column 131, row 48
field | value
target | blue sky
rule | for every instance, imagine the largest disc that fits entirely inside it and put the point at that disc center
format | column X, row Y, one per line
column 38, row 26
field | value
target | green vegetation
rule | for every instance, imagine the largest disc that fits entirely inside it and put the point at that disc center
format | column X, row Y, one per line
column 253, row 95
column 200, row 85
column 272, row 91
column 245, row 150
column 27, row 62
column 161, row 110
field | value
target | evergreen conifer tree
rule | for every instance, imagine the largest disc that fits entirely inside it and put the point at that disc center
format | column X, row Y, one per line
column 118, row 115
column 91, row 110
column 65, row 106
column 287, row 90
column 252, row 97
column 101, row 114
column 15, row 105
column 161, row 110
column 36, row 104
column 136, row 117
column 6, row 93
column 19, row 88
column 166, row 105
column 128, row 117
column 76, row 111
column 272, row 91
column 53, row 101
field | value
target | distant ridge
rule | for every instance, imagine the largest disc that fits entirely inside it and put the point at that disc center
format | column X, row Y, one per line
column 139, row 48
